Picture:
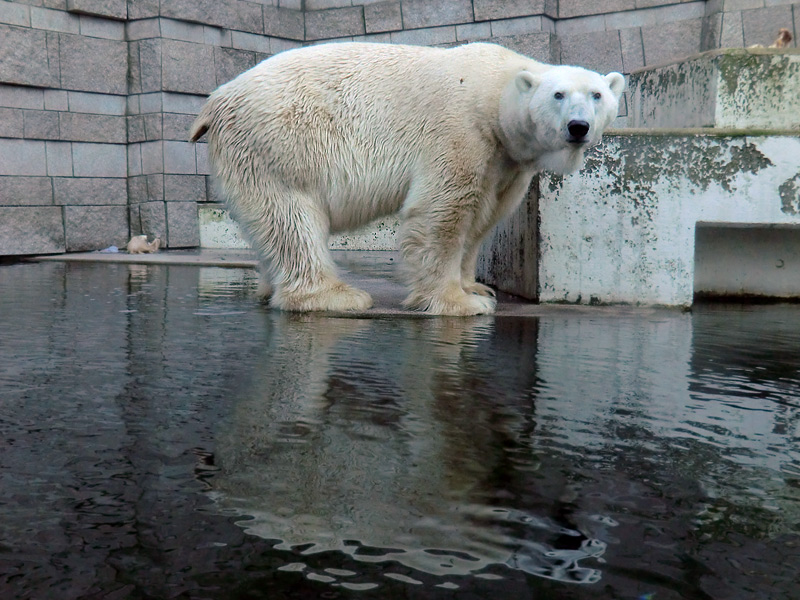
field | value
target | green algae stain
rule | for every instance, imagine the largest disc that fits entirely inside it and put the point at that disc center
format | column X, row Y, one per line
column 790, row 195
column 761, row 71
column 215, row 215
column 644, row 160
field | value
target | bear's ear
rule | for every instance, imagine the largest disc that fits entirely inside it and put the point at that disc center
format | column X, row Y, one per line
column 616, row 81
column 525, row 80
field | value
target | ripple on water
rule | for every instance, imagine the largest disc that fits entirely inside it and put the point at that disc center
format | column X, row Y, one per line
column 165, row 434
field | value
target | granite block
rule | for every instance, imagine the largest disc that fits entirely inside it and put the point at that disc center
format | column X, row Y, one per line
column 152, row 157
column 215, row 36
column 16, row 96
column 182, row 226
column 98, row 104
column 151, row 103
column 180, row 30
column 185, row 188
column 99, row 160
column 95, row 227
column 114, row 9
column 203, row 168
column 277, row 45
column 136, row 129
column 134, row 160
column 99, row 191
column 425, row 37
column 31, row 230
column 92, row 128
column 230, row 62
column 539, row 46
column 142, row 9
column 93, row 64
column 487, row 10
column 183, row 103
column 179, row 157
column 29, row 57
column 56, row 100
column 137, row 190
column 150, row 218
column 384, row 16
column 150, row 73
column 284, row 23
column 325, row 4
column 153, row 126
column 423, row 13
column 578, row 8
column 22, row 157
column 102, row 28
column 473, row 31
column 11, row 122
column 736, row 5
column 232, row 14
column 517, row 26
column 59, row 159
column 732, row 35
column 250, row 41
column 134, row 70
column 12, row 13
column 143, row 29
column 26, row 191
column 335, row 23
column 176, row 126
column 599, row 51
column 188, row 67
column 213, row 191
column 671, row 41
column 54, row 20
column 711, row 34
column 155, row 187
column 632, row 49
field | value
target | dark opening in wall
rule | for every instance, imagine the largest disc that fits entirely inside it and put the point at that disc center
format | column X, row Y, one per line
column 747, row 262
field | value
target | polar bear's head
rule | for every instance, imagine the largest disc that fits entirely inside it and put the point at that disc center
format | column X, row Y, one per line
column 551, row 117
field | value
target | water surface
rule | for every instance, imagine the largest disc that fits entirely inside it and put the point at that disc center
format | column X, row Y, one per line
column 163, row 435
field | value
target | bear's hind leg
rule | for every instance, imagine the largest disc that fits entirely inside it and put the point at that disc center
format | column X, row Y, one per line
column 292, row 236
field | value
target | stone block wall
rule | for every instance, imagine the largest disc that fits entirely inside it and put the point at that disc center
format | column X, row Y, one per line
column 96, row 96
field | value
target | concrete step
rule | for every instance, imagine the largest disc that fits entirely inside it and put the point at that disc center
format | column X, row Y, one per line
column 658, row 215
column 754, row 88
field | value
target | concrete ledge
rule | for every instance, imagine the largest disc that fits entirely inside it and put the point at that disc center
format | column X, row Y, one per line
column 623, row 229
column 374, row 272
column 752, row 88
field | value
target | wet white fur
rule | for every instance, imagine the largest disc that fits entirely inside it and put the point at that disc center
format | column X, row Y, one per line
column 326, row 138
column 139, row 245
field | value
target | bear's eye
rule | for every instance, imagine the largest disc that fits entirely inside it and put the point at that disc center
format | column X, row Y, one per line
column 597, row 95
column 558, row 96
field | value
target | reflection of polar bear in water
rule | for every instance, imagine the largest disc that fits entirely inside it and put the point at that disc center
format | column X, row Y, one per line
column 365, row 449
column 325, row 139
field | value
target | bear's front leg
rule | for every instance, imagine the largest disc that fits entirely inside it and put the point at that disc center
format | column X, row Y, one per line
column 432, row 243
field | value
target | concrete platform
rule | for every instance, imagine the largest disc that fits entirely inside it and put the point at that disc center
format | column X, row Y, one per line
column 373, row 271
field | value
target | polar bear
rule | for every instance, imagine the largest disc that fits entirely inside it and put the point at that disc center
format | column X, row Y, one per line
column 326, row 138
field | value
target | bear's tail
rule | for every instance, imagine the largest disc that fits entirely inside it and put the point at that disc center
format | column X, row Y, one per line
column 202, row 122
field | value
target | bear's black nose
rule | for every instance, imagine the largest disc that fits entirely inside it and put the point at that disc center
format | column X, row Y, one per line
column 578, row 129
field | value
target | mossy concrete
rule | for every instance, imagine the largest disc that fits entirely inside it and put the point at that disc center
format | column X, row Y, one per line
column 623, row 229
column 732, row 88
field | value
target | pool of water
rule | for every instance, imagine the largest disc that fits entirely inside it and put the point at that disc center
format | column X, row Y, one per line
column 164, row 435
